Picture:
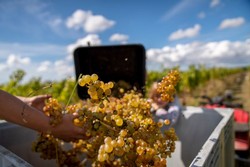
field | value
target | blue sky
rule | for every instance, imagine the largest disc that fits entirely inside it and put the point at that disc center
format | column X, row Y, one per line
column 39, row 36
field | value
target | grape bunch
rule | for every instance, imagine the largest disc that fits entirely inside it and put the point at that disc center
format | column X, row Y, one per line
column 121, row 131
column 167, row 85
column 96, row 89
column 54, row 110
column 51, row 148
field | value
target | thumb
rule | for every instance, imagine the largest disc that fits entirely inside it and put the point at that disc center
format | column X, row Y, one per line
column 47, row 96
column 75, row 115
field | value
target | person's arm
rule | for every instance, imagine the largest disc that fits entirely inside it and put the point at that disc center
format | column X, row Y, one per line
column 16, row 111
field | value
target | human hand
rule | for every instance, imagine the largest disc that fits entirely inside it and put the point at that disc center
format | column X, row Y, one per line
column 67, row 131
column 37, row 101
column 154, row 106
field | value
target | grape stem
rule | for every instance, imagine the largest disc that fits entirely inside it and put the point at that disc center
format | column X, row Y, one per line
column 73, row 91
column 36, row 90
column 107, row 126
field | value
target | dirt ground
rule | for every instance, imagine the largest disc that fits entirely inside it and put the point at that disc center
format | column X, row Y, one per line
column 239, row 84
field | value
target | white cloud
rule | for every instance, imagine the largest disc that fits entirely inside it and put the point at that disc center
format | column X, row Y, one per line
column 55, row 22
column 92, row 39
column 222, row 53
column 89, row 22
column 64, row 68
column 57, row 70
column 119, row 38
column 97, row 23
column 44, row 66
column 33, row 67
column 78, row 19
column 12, row 63
column 214, row 3
column 31, row 50
column 12, row 59
column 231, row 23
column 15, row 60
column 178, row 8
column 54, row 65
column 187, row 33
column 201, row 15
column 3, row 67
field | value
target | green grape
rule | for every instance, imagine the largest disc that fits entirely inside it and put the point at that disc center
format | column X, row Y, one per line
column 108, row 140
column 120, row 142
column 81, row 82
column 119, row 121
column 108, row 147
column 113, row 143
column 121, row 131
column 101, row 157
column 110, row 84
column 87, row 79
column 107, row 92
column 139, row 150
column 94, row 77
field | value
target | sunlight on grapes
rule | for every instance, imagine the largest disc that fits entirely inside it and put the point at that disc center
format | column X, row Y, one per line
column 122, row 130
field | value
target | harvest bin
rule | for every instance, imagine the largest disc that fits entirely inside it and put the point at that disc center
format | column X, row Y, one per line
column 206, row 139
column 8, row 159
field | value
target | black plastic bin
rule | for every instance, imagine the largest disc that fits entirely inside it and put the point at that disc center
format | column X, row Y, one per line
column 118, row 63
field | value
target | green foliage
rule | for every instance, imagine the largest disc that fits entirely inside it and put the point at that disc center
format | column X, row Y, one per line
column 15, row 79
column 60, row 90
column 194, row 76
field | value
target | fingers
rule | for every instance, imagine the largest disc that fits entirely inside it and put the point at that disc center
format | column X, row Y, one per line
column 75, row 115
column 42, row 97
column 81, row 133
column 47, row 96
column 83, row 137
column 74, row 132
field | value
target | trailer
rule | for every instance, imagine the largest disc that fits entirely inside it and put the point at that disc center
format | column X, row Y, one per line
column 206, row 138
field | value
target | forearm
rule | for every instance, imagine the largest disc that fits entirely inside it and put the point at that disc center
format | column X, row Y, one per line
column 16, row 111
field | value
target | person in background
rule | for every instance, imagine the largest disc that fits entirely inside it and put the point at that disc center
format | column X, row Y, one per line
column 163, row 110
column 27, row 113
